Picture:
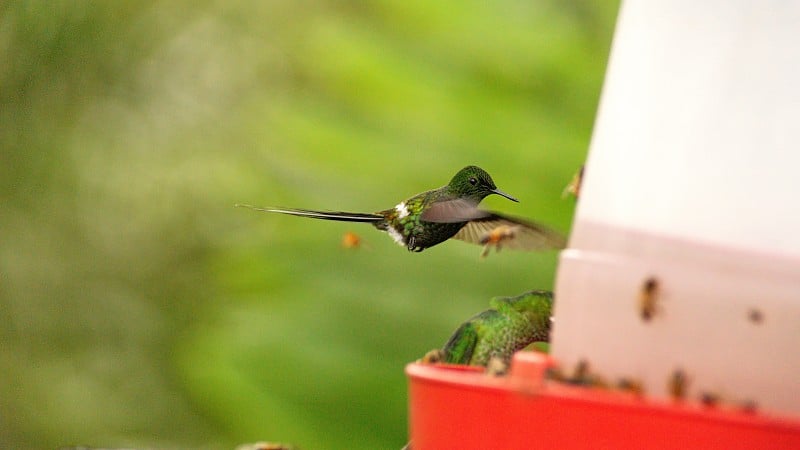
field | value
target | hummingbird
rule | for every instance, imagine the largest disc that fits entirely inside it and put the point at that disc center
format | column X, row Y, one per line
column 451, row 211
column 511, row 324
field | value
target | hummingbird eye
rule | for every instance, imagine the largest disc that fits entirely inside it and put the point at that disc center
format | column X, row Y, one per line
column 473, row 181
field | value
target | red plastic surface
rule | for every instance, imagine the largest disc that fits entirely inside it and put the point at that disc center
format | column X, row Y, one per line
column 452, row 407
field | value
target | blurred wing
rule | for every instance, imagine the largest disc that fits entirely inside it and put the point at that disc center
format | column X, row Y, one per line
column 526, row 235
column 451, row 211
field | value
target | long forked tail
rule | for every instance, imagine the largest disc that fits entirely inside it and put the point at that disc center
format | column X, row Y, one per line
column 325, row 215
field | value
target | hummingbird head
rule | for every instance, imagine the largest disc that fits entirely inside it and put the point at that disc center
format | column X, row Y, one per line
column 474, row 183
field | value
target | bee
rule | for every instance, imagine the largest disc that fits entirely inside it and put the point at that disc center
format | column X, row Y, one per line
column 555, row 374
column 433, row 357
column 351, row 240
column 496, row 367
column 574, row 186
column 648, row 299
column 582, row 376
column 631, row 385
column 709, row 399
column 755, row 316
column 581, row 373
column 749, row 406
column 496, row 236
column 677, row 384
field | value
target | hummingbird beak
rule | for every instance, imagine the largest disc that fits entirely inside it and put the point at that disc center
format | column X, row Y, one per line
column 499, row 192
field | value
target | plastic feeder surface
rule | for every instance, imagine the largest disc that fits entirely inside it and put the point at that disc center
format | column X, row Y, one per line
column 454, row 407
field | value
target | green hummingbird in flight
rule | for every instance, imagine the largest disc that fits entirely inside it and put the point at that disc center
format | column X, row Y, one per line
column 450, row 211
column 511, row 324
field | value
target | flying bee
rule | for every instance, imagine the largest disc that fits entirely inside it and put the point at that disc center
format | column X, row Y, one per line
column 351, row 240
column 648, row 299
column 574, row 186
column 496, row 236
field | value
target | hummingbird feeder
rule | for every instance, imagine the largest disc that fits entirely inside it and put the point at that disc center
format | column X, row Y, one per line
column 679, row 292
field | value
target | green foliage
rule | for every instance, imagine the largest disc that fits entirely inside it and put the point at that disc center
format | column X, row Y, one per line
column 139, row 308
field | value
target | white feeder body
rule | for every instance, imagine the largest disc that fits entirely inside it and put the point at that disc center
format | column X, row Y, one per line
column 692, row 180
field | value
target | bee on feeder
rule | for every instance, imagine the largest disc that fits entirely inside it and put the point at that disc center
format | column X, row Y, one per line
column 631, row 385
column 678, row 384
column 581, row 372
column 582, row 376
column 432, row 357
column 748, row 406
column 496, row 367
column 755, row 316
column 709, row 399
column 554, row 373
column 648, row 299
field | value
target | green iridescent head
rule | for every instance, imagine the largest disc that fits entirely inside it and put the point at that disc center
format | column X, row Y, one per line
column 474, row 183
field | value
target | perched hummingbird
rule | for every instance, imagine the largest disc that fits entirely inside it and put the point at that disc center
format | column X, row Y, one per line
column 450, row 211
column 510, row 325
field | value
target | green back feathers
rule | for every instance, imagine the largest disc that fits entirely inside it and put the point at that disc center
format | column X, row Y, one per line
column 511, row 324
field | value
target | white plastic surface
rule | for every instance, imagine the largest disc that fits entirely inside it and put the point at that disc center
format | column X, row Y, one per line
column 692, row 179
column 698, row 133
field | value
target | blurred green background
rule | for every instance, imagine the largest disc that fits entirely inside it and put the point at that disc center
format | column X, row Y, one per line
column 140, row 308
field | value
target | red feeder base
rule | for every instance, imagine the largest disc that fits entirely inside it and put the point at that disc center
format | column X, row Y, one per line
column 458, row 407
